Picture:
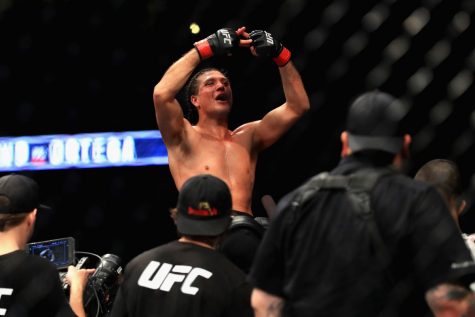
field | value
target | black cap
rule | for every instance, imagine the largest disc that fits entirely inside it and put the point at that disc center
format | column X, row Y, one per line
column 204, row 206
column 373, row 123
column 19, row 194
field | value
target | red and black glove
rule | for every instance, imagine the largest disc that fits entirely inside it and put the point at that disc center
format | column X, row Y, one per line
column 266, row 45
column 222, row 42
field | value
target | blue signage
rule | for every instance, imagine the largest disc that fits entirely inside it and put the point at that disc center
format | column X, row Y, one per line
column 88, row 150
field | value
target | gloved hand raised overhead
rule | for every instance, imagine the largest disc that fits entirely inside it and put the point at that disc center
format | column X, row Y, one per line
column 222, row 42
column 265, row 45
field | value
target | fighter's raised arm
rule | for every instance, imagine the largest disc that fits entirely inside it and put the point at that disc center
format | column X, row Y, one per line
column 275, row 123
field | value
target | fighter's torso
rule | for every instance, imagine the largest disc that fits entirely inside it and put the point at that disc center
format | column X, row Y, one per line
column 232, row 159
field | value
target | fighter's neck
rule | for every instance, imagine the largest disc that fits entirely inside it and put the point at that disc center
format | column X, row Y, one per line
column 220, row 131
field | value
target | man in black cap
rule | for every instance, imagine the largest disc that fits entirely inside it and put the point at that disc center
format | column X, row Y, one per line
column 365, row 240
column 29, row 284
column 188, row 277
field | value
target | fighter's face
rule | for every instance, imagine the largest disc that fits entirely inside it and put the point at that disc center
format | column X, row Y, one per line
column 214, row 91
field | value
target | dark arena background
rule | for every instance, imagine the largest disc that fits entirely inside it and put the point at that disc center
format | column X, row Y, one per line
column 90, row 66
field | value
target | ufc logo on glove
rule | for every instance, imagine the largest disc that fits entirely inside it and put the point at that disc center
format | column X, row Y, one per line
column 269, row 38
column 227, row 37
column 164, row 276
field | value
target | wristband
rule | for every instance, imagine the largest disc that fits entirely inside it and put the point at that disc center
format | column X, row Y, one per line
column 204, row 49
column 283, row 58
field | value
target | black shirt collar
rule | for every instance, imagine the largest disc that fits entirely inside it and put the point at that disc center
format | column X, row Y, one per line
column 351, row 163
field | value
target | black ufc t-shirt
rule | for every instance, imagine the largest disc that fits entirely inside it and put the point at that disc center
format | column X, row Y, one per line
column 182, row 279
column 30, row 286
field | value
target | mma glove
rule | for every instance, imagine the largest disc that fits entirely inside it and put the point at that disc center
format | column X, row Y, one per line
column 265, row 45
column 222, row 42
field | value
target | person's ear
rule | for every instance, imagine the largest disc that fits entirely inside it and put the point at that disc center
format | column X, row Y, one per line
column 194, row 101
column 461, row 207
column 31, row 218
column 345, row 148
column 406, row 153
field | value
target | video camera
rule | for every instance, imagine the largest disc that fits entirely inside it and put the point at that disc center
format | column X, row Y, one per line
column 102, row 284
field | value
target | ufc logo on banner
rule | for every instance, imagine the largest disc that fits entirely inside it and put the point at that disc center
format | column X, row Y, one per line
column 164, row 276
column 4, row 291
column 226, row 37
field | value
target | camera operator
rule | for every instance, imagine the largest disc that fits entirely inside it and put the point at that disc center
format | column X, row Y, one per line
column 29, row 284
